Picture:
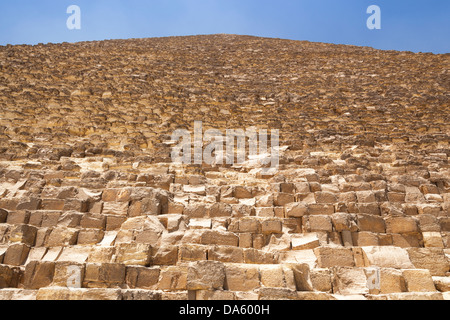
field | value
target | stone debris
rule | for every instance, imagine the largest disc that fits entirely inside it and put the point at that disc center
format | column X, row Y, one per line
column 92, row 207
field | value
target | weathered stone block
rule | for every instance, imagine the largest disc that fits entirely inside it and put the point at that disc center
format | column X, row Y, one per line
column 106, row 275
column 319, row 223
column 38, row 274
column 142, row 277
column 418, row 280
column 60, row 236
column 23, row 233
column 271, row 226
column 16, row 254
column 305, row 241
column 239, row 277
column 68, row 274
column 349, row 281
column 133, row 254
column 9, row 276
column 164, row 255
column 386, row 257
column 295, row 210
column 18, row 217
column 432, row 259
column 215, row 237
column 328, row 257
column 206, row 275
column 226, row 254
column 173, row 278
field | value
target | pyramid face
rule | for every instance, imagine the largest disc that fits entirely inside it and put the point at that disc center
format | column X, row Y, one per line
column 356, row 203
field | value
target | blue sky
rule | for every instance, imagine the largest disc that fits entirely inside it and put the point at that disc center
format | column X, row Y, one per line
column 412, row 25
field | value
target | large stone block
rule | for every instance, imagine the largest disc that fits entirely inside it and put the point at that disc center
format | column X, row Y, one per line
column 328, row 257
column 401, row 225
column 216, row 237
column 305, row 241
column 38, row 274
column 205, row 275
column 349, row 281
column 173, row 278
column 275, row 276
column 226, row 254
column 106, row 275
column 60, row 236
column 391, row 281
column 371, row 223
column 24, row 234
column 68, row 274
column 240, row 277
column 142, row 277
column 16, row 254
column 9, row 276
column 433, row 259
column 418, row 280
column 386, row 257
column 133, row 254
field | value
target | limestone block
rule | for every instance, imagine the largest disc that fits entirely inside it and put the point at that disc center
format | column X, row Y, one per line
column 164, row 255
column 24, row 234
column 271, row 226
column 16, row 254
column 305, row 241
column 371, row 223
column 275, row 276
column 133, row 254
column 106, row 275
column 38, row 274
column 90, row 236
column 321, row 280
column 9, row 276
column 115, row 208
column 173, row 278
column 226, row 254
column 386, row 257
column 60, row 236
column 254, row 256
column 68, row 274
column 432, row 240
column 328, row 257
column 216, row 237
column 281, row 199
column 391, row 281
column 319, row 223
column 205, row 275
column 418, row 280
column 442, row 283
column 295, row 210
column 401, row 225
column 142, row 277
column 277, row 294
column 349, row 281
column 97, row 294
column 325, row 197
column 140, row 295
column 240, row 277
column 18, row 217
column 432, row 259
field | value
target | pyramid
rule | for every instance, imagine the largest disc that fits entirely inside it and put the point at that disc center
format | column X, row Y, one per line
column 93, row 207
